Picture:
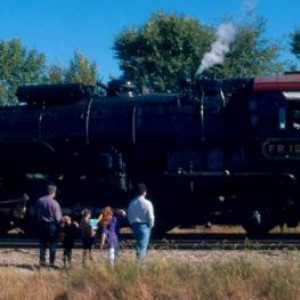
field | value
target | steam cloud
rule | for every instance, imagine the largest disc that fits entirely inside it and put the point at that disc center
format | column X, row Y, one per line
column 225, row 35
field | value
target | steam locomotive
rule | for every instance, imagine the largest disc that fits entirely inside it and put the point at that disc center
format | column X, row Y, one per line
column 224, row 152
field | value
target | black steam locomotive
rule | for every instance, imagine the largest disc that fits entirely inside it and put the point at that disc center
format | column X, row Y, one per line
column 217, row 151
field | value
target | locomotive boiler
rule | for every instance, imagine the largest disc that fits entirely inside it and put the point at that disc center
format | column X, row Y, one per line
column 223, row 152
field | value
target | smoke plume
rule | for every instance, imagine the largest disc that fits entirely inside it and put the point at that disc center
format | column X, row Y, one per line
column 225, row 35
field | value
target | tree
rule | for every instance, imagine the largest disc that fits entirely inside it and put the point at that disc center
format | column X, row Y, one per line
column 249, row 54
column 56, row 74
column 165, row 49
column 169, row 47
column 295, row 44
column 80, row 70
column 18, row 66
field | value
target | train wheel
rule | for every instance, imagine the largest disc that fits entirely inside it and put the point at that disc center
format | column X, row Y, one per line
column 255, row 231
column 258, row 224
column 34, row 187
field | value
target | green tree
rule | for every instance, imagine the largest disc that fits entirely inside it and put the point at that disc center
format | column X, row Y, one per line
column 295, row 44
column 18, row 66
column 56, row 73
column 249, row 54
column 169, row 47
column 165, row 49
column 80, row 70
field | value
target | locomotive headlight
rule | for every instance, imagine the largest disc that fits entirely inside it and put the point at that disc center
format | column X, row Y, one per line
column 222, row 198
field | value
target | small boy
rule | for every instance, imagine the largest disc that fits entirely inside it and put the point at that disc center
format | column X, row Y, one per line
column 88, row 235
column 68, row 233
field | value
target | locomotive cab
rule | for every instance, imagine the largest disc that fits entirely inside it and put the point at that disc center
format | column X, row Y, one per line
column 274, row 111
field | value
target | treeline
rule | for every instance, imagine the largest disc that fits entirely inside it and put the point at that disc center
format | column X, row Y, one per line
column 164, row 49
column 21, row 66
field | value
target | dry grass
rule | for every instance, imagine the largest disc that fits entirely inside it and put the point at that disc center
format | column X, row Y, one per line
column 247, row 277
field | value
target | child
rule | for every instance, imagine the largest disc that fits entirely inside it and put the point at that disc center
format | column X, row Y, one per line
column 68, row 234
column 108, row 234
column 88, row 235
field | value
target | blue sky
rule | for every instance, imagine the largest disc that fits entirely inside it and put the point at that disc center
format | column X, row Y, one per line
column 59, row 27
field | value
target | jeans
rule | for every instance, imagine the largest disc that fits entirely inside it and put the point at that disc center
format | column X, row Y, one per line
column 48, row 239
column 141, row 232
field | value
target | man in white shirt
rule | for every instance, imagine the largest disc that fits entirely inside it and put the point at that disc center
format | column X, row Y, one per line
column 141, row 218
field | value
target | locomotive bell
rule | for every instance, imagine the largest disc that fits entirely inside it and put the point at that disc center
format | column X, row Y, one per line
column 124, row 88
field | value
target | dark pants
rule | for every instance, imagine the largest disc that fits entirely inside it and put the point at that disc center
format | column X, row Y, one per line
column 67, row 255
column 48, row 240
column 68, row 246
column 88, row 243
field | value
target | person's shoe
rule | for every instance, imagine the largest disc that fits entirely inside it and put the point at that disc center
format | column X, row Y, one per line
column 70, row 264
column 43, row 264
column 67, row 264
column 53, row 266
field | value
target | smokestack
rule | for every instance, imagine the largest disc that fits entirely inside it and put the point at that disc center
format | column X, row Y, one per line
column 225, row 35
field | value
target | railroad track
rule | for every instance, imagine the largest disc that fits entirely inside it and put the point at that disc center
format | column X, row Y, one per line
column 187, row 242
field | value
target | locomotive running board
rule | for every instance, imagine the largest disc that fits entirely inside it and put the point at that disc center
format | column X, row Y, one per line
column 226, row 174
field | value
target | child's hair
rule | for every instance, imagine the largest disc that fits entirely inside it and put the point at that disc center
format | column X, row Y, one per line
column 107, row 214
column 86, row 212
column 66, row 219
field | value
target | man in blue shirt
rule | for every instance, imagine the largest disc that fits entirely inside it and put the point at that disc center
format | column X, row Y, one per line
column 141, row 218
column 49, row 215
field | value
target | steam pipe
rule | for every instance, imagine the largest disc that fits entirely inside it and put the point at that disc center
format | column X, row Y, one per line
column 202, row 116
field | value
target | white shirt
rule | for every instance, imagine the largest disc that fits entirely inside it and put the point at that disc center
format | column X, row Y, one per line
column 141, row 210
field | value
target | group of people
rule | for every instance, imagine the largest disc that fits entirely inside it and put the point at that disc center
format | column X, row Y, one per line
column 54, row 226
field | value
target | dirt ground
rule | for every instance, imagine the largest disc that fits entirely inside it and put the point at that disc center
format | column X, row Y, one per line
column 28, row 258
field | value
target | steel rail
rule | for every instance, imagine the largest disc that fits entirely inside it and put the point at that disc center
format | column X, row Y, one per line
column 180, row 243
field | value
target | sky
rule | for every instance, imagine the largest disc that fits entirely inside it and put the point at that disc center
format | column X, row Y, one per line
column 57, row 28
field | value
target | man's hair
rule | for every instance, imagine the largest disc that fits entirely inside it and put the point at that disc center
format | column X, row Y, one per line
column 141, row 189
column 51, row 189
